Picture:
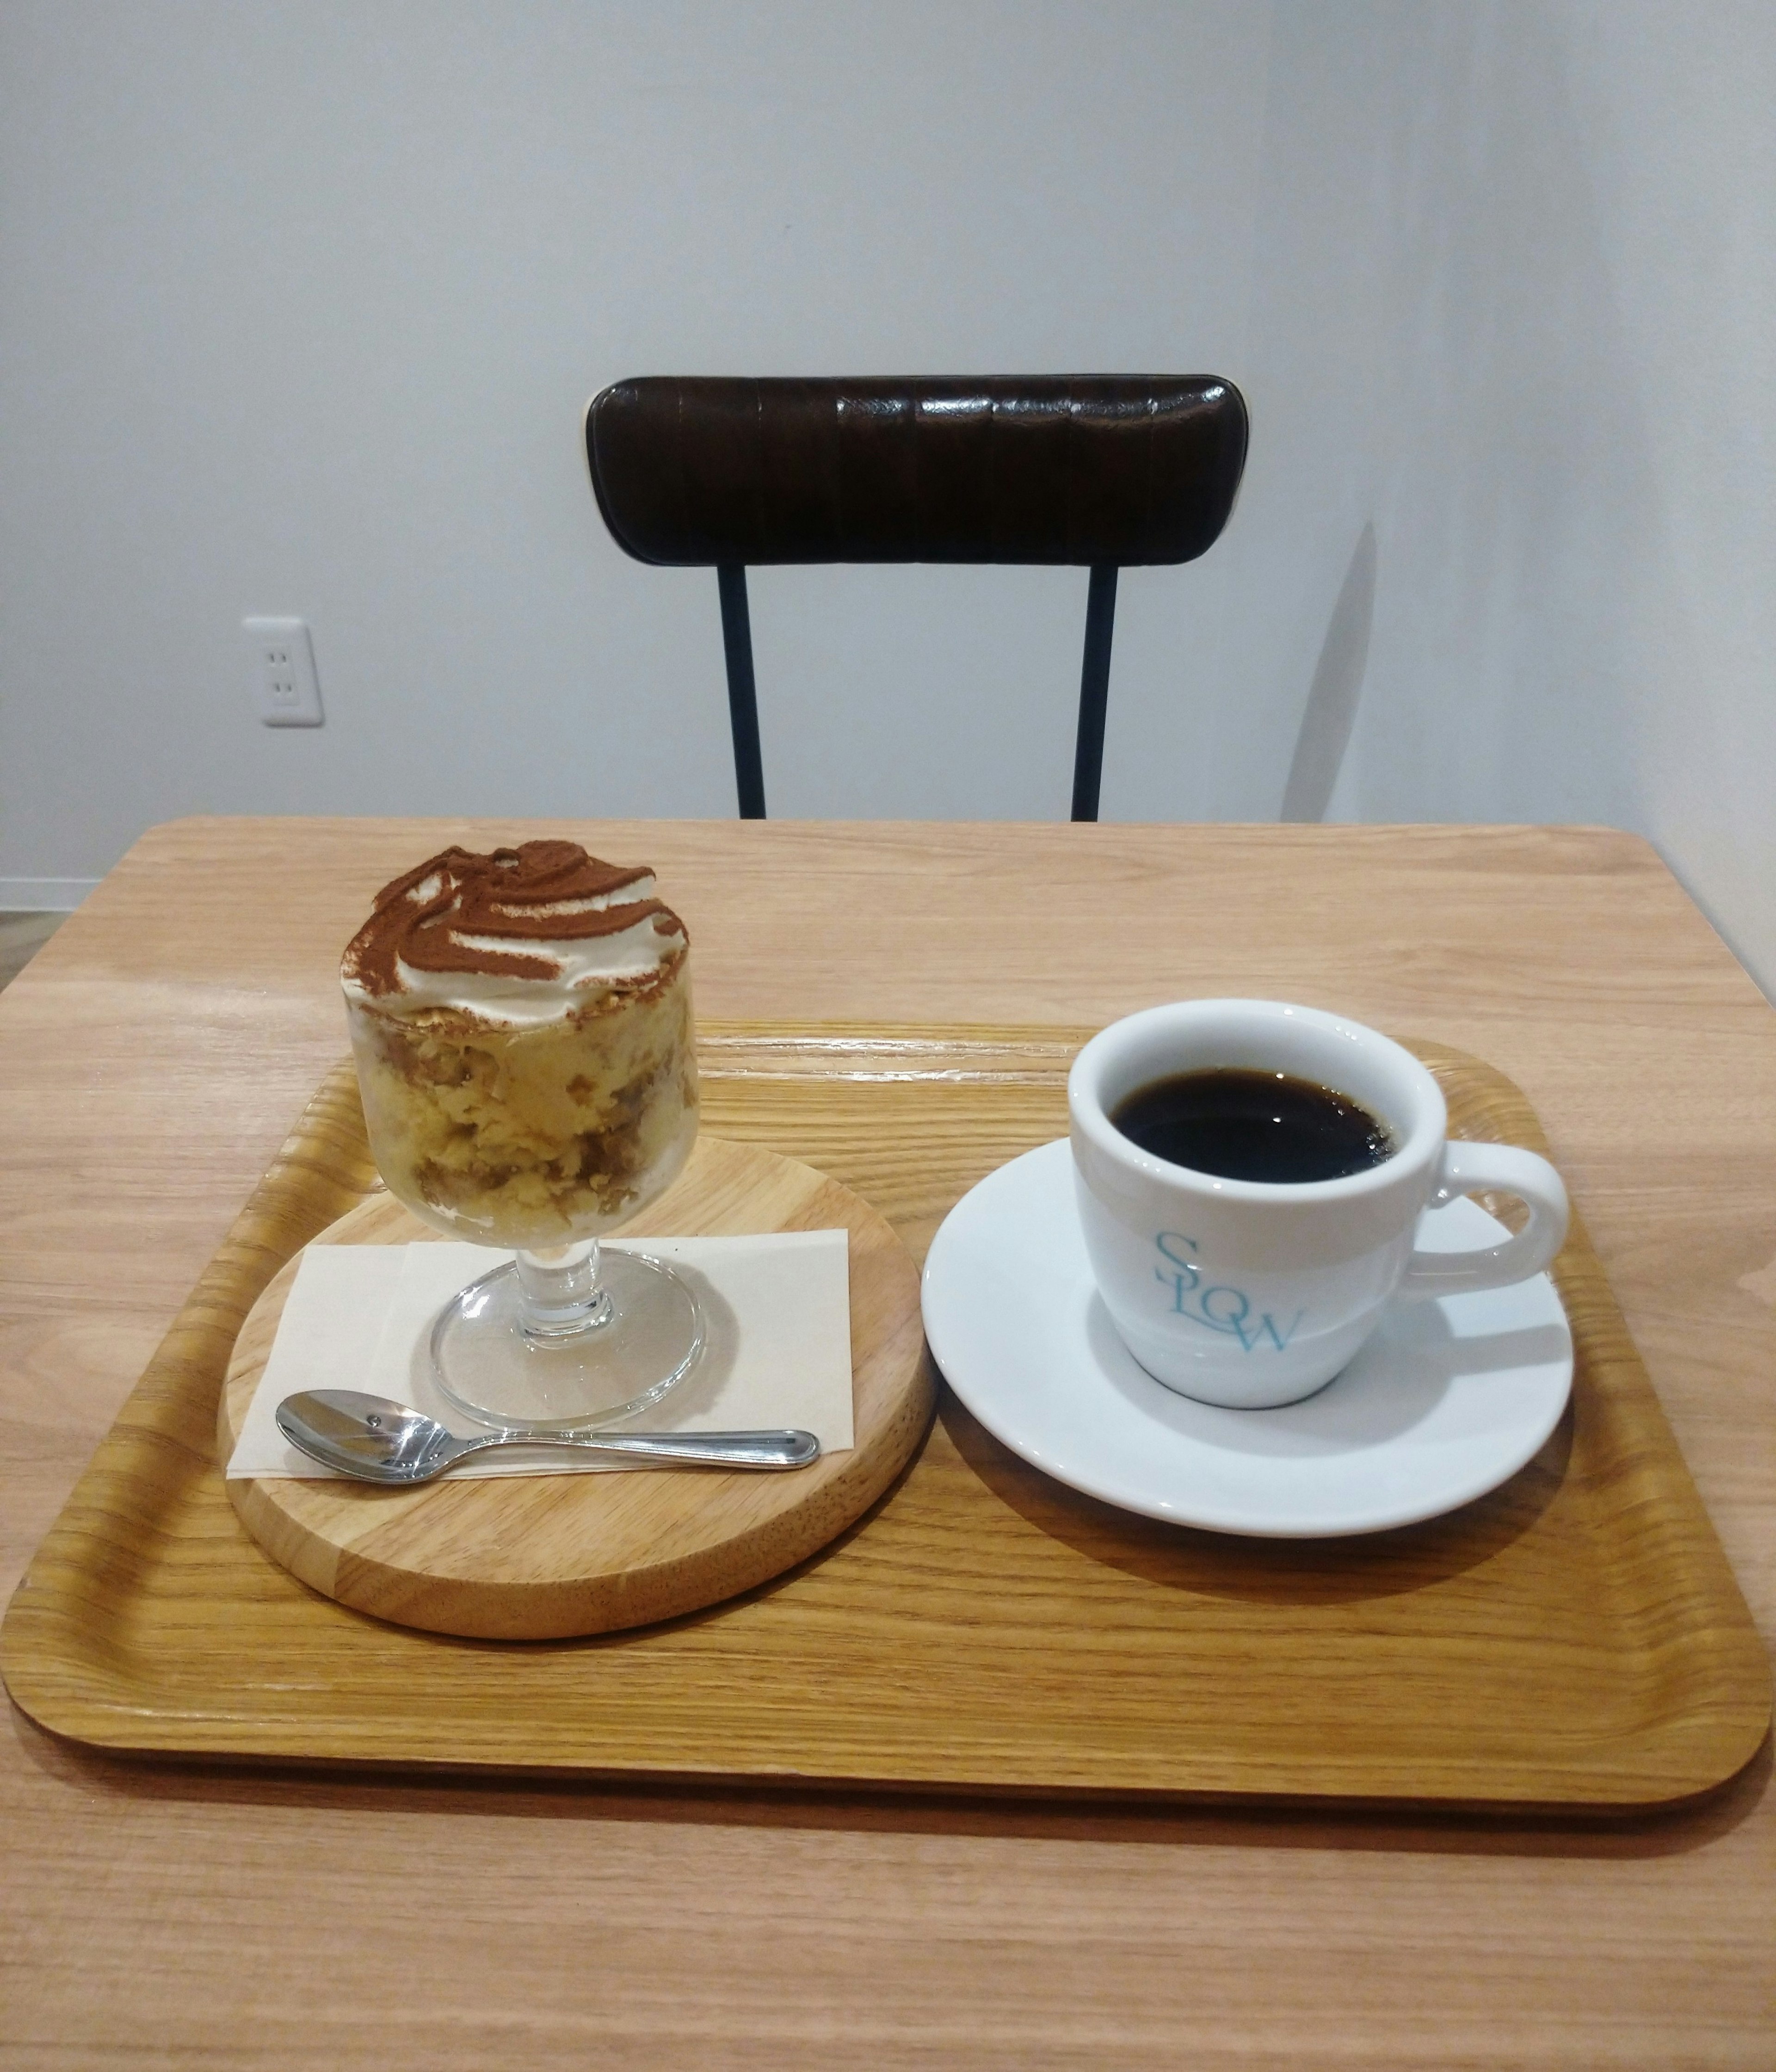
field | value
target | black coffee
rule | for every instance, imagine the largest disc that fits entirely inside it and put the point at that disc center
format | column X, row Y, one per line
column 1254, row 1126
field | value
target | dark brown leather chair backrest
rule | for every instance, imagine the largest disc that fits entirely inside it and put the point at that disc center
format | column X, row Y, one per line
column 1102, row 472
column 1116, row 470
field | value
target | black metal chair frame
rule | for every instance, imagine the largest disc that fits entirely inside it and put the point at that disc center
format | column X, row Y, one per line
column 749, row 764
column 1005, row 469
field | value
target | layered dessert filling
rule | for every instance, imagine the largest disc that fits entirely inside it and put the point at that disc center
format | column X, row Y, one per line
column 522, row 1024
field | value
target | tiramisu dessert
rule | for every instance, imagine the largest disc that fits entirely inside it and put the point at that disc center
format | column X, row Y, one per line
column 522, row 1024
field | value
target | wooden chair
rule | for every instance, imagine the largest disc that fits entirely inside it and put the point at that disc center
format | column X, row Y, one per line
column 1096, row 470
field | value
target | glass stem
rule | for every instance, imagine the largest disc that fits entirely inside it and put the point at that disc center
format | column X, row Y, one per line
column 563, row 1295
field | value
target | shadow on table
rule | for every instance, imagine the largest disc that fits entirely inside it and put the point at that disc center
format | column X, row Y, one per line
column 1179, row 1558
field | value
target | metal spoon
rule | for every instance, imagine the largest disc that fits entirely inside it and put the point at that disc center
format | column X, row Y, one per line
column 379, row 1441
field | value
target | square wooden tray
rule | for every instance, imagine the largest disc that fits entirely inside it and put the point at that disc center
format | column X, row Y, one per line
column 1575, row 1640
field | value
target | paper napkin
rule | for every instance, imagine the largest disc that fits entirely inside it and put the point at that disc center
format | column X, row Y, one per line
column 776, row 1308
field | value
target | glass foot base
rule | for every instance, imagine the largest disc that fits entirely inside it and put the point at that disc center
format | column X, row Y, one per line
column 641, row 1342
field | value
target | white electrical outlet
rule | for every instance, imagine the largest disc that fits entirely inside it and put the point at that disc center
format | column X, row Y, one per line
column 284, row 688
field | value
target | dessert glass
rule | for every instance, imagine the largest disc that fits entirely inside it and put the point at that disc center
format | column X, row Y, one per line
column 538, row 1136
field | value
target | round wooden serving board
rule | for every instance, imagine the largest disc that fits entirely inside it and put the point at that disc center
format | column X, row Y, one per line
column 540, row 1557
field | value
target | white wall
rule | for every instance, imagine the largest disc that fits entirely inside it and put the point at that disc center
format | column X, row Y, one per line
column 1516, row 304
column 300, row 305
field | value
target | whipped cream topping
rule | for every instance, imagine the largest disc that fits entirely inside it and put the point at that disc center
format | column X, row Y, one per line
column 521, row 936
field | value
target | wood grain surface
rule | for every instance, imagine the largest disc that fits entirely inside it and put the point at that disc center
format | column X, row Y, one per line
column 541, row 1557
column 1573, row 1639
column 153, row 1056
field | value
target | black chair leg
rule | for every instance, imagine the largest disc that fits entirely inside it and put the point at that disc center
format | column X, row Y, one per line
column 749, row 767
column 1100, row 619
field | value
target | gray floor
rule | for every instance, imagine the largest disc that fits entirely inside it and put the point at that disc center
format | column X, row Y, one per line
column 22, row 936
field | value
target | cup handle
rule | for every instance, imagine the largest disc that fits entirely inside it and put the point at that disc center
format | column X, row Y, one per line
column 1466, row 1169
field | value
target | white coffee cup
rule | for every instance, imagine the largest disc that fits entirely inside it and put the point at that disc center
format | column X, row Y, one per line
column 1251, row 1293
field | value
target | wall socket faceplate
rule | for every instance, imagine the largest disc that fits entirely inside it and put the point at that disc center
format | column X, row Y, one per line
column 285, row 691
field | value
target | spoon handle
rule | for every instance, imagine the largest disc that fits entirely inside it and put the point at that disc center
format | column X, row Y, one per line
column 715, row 1449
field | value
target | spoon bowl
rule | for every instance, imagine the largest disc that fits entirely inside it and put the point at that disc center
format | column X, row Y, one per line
column 377, row 1440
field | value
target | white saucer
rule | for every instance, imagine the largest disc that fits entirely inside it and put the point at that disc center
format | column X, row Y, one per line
column 1448, row 1399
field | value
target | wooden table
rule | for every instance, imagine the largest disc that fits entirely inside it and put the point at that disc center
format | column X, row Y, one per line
column 151, row 1059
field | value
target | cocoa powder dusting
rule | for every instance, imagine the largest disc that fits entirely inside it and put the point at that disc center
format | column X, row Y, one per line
column 534, row 892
